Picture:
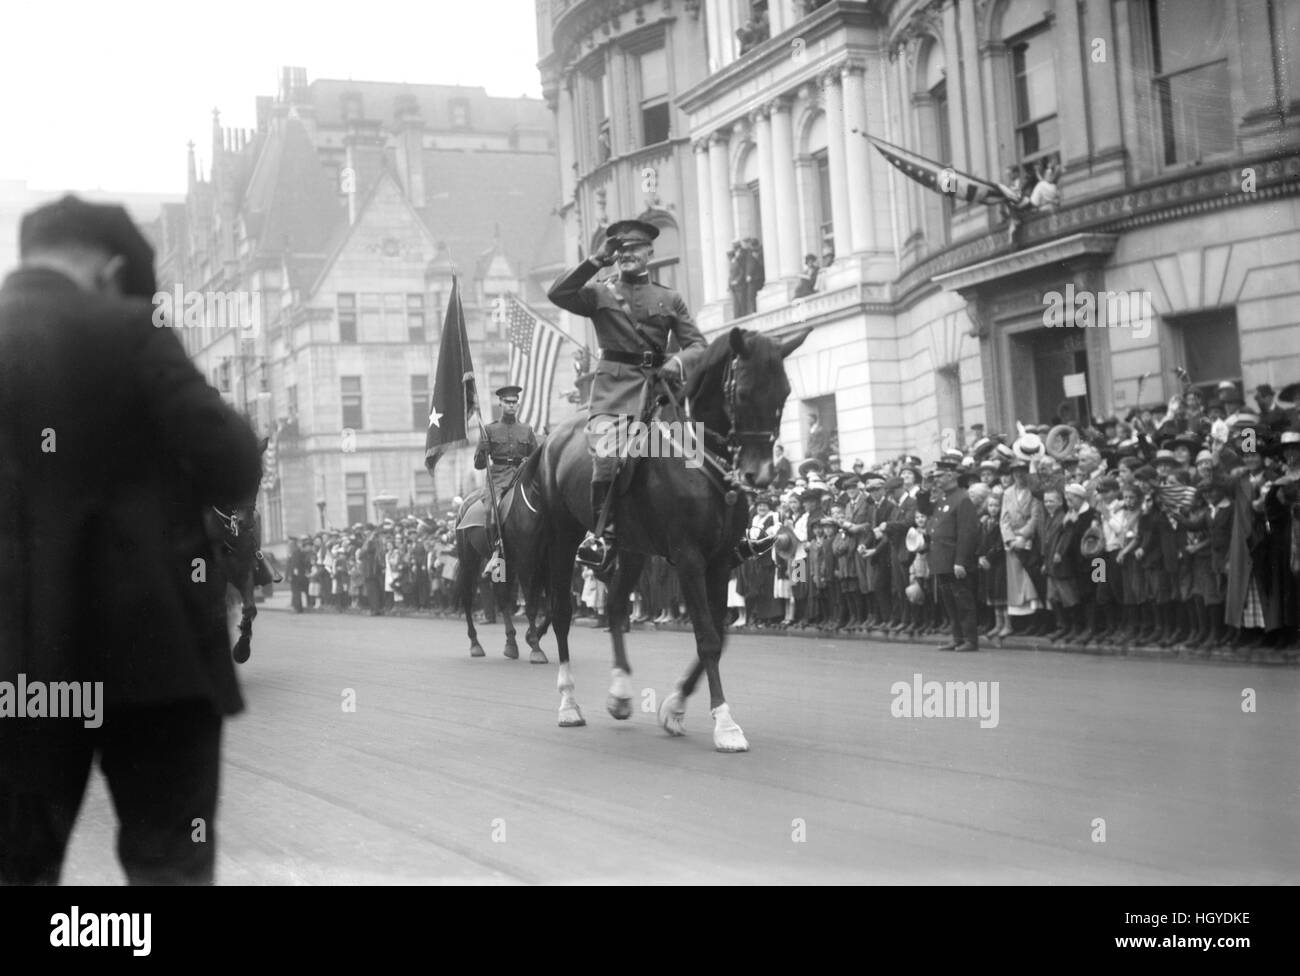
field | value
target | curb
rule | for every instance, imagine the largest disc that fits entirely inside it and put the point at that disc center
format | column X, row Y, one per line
column 1260, row 656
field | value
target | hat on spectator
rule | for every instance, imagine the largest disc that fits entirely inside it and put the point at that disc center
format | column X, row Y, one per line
column 1107, row 484
column 1166, row 457
column 893, row 484
column 1146, row 473
column 949, row 460
column 810, row 465
column 1264, row 389
column 105, row 226
column 1204, row 456
column 1074, row 488
column 1227, row 391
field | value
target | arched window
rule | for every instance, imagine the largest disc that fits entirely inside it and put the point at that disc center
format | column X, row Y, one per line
column 932, row 107
column 749, row 208
column 820, row 232
column 668, row 252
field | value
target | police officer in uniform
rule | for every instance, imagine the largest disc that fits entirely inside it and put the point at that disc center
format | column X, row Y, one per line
column 954, row 527
column 508, row 443
column 633, row 318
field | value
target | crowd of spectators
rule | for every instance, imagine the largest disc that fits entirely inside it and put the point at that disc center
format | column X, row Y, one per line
column 1177, row 526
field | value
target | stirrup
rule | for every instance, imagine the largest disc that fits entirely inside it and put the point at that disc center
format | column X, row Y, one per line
column 594, row 551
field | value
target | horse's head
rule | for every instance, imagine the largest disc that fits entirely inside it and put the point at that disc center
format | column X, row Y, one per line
column 739, row 392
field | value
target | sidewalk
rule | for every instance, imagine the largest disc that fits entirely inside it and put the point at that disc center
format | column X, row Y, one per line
column 280, row 601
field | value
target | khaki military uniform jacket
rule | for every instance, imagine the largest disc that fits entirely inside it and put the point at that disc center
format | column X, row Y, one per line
column 629, row 317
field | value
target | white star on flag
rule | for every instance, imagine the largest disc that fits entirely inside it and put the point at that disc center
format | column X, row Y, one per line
column 434, row 417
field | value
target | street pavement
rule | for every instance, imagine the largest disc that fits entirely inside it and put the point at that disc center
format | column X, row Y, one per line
column 1099, row 770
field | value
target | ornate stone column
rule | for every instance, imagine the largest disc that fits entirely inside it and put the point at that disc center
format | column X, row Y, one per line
column 859, row 167
column 708, row 249
column 837, row 138
column 724, row 231
column 787, row 202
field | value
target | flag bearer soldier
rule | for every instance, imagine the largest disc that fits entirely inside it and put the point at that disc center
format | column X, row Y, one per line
column 507, row 445
column 633, row 318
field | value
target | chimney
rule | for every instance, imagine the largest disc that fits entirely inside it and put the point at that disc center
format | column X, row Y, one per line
column 410, row 150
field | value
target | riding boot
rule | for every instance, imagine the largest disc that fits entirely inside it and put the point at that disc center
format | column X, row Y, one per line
column 595, row 551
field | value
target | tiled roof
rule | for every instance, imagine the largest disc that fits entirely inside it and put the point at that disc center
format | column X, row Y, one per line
column 471, row 194
column 290, row 200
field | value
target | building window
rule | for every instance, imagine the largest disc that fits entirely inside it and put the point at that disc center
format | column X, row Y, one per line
column 415, row 318
column 598, row 86
column 942, row 141
column 654, row 96
column 820, row 430
column 1189, row 57
column 1208, row 345
column 355, row 486
column 1034, row 77
column 825, row 223
column 420, row 402
column 459, row 113
column 291, row 400
column 425, row 495
column 947, row 390
column 351, row 393
column 372, row 320
column 347, row 312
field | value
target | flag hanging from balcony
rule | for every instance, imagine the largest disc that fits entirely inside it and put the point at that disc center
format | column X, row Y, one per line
column 534, row 351
column 938, row 177
column 455, row 398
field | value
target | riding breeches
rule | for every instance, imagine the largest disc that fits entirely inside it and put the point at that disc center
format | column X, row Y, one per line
column 606, row 437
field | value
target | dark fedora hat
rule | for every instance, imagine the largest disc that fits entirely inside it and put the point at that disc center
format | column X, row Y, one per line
column 72, row 220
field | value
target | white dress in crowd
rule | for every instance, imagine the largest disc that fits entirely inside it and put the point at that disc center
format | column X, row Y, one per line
column 1021, row 519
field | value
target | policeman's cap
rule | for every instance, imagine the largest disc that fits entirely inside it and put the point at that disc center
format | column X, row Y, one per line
column 108, row 226
column 632, row 232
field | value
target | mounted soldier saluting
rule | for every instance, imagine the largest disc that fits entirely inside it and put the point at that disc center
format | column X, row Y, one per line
column 633, row 318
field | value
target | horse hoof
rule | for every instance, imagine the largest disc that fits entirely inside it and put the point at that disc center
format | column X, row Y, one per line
column 730, row 740
column 727, row 735
column 476, row 650
column 537, row 657
column 571, row 718
column 672, row 714
column 620, row 708
column 242, row 650
column 512, row 650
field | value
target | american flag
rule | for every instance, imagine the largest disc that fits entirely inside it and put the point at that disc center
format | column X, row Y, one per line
column 534, row 350
column 937, row 177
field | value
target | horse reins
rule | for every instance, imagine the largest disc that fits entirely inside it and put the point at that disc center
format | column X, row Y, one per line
column 733, row 442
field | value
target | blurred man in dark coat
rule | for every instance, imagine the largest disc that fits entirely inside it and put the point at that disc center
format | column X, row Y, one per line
column 111, row 444
column 954, row 530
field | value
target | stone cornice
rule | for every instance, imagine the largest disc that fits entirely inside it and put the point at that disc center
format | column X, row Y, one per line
column 1173, row 198
column 1062, row 251
column 853, row 14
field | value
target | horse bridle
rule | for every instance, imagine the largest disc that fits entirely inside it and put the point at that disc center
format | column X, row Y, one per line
column 734, row 441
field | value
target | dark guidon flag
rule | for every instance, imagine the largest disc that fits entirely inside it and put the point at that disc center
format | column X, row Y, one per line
column 455, row 399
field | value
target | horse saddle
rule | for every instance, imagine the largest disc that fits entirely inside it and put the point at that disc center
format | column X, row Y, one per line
column 475, row 510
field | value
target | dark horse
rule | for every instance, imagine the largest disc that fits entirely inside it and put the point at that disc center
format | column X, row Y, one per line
column 474, row 552
column 236, row 536
column 694, row 514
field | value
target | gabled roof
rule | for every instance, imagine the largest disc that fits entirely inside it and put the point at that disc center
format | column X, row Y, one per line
column 290, row 202
column 471, row 194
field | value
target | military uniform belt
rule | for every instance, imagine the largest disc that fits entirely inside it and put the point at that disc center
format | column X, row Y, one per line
column 646, row 360
column 507, row 460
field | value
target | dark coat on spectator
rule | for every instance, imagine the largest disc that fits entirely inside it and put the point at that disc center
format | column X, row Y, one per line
column 111, row 445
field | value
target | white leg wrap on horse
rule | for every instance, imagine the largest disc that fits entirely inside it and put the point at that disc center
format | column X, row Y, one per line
column 727, row 735
column 570, row 713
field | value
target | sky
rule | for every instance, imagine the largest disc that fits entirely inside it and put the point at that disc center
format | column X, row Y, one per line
column 106, row 96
